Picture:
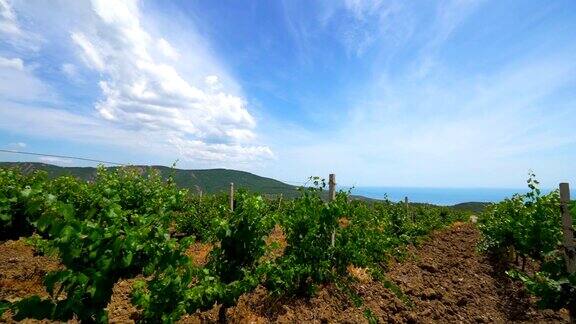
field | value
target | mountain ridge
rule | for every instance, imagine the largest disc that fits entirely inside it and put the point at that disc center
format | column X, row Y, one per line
column 207, row 180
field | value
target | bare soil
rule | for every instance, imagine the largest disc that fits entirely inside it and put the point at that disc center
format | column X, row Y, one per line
column 449, row 281
column 444, row 280
column 21, row 271
column 199, row 252
column 276, row 244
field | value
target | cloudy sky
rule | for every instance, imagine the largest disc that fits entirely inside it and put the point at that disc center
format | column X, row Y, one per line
column 459, row 93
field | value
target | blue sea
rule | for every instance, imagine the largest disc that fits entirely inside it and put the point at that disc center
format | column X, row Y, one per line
column 439, row 196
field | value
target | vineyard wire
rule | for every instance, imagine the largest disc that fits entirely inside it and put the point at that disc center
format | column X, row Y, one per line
column 294, row 183
column 62, row 156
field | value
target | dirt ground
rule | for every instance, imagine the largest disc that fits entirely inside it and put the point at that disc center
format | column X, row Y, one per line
column 21, row 271
column 449, row 281
column 444, row 280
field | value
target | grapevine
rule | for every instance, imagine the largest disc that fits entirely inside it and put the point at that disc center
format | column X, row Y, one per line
column 129, row 223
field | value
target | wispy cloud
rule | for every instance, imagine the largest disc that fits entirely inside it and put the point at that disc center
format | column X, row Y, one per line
column 56, row 160
column 378, row 25
column 448, row 16
column 423, row 120
column 16, row 146
column 167, row 49
column 8, row 21
column 414, row 132
column 18, row 81
column 362, row 25
column 70, row 71
column 445, row 92
column 55, row 124
column 142, row 91
column 146, row 86
column 299, row 33
column 13, row 33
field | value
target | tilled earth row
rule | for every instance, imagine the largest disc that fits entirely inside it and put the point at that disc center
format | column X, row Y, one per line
column 445, row 280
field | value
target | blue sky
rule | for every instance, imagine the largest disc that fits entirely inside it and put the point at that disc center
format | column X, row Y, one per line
column 397, row 93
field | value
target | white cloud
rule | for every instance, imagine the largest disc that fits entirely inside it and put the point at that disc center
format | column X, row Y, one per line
column 212, row 80
column 17, row 145
column 142, row 91
column 12, row 32
column 70, row 70
column 449, row 15
column 90, row 53
column 362, row 8
column 55, row 160
column 18, row 82
column 365, row 24
column 56, row 124
column 8, row 21
column 150, row 94
column 14, row 63
column 17, row 79
column 167, row 49
column 449, row 130
column 362, row 25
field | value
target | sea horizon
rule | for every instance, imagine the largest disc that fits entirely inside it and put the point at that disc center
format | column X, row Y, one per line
column 437, row 195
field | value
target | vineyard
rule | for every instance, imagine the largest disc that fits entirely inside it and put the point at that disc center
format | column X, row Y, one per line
column 185, row 255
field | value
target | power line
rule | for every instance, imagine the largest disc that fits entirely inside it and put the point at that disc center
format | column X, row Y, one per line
column 61, row 156
column 293, row 183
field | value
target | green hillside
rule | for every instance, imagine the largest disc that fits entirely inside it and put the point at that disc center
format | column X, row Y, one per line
column 477, row 207
column 209, row 181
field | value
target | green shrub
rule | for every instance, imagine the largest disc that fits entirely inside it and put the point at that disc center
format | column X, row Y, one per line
column 531, row 224
column 201, row 216
column 23, row 199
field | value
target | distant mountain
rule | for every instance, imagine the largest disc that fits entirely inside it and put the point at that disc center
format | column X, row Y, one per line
column 477, row 207
column 209, row 181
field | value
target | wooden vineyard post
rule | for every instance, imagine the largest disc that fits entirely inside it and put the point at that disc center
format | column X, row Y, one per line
column 567, row 229
column 199, row 192
column 231, row 196
column 280, row 201
column 407, row 208
column 332, row 187
column 332, row 197
column 569, row 244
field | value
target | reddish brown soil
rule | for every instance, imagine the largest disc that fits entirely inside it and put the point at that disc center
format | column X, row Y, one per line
column 444, row 280
column 276, row 243
column 343, row 222
column 449, row 281
column 22, row 272
column 198, row 252
column 120, row 308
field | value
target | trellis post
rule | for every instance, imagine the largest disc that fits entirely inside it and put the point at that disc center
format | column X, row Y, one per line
column 331, row 187
column 231, row 196
column 567, row 229
column 407, row 207
column 332, row 197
